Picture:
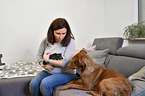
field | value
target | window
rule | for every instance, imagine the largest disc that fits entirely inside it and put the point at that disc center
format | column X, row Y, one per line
column 141, row 10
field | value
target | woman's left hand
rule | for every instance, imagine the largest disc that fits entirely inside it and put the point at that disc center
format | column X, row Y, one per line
column 45, row 67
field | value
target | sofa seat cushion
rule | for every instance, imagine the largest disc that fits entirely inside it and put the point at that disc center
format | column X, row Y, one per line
column 125, row 65
column 132, row 51
column 70, row 92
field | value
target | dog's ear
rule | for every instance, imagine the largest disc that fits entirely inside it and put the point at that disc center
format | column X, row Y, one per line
column 83, row 66
column 79, row 59
column 81, row 63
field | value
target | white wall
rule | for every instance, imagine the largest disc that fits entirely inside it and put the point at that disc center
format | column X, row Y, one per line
column 118, row 14
column 24, row 23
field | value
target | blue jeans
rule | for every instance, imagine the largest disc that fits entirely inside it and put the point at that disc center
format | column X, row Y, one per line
column 44, row 83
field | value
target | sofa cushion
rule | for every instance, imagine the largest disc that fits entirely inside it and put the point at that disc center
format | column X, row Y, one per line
column 132, row 51
column 70, row 92
column 125, row 65
column 98, row 56
column 137, row 80
column 112, row 43
column 108, row 58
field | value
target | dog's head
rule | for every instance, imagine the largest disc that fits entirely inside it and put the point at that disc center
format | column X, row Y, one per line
column 80, row 61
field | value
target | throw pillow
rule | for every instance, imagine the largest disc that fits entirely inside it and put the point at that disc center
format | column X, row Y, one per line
column 21, row 69
column 137, row 80
column 98, row 56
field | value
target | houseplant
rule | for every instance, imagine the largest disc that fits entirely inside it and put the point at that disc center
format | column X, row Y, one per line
column 136, row 30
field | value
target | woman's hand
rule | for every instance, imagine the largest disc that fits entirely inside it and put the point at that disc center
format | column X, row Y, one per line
column 47, row 67
column 46, row 56
column 51, row 61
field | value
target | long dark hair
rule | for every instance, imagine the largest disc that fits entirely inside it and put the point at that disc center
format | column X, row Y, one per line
column 59, row 23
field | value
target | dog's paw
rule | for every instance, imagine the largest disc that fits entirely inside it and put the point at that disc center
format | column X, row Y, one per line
column 89, row 92
column 92, row 93
column 71, row 82
column 63, row 88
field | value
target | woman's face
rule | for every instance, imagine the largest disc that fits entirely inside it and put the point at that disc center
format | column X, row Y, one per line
column 60, row 34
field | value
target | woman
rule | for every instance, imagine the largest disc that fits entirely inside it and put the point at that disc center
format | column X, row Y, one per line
column 59, row 40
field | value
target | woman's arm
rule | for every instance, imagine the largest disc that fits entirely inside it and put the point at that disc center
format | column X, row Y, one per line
column 39, row 55
column 68, row 54
column 51, row 61
column 57, row 63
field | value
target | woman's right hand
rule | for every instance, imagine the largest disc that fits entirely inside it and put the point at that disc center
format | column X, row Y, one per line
column 46, row 56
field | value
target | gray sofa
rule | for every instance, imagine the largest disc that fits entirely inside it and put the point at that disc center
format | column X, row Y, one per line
column 126, row 60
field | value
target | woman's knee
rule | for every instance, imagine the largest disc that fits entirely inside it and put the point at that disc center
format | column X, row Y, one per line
column 34, row 83
column 46, row 88
column 45, row 84
column 36, row 80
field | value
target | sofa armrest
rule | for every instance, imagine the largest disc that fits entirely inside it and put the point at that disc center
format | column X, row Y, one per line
column 15, row 87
